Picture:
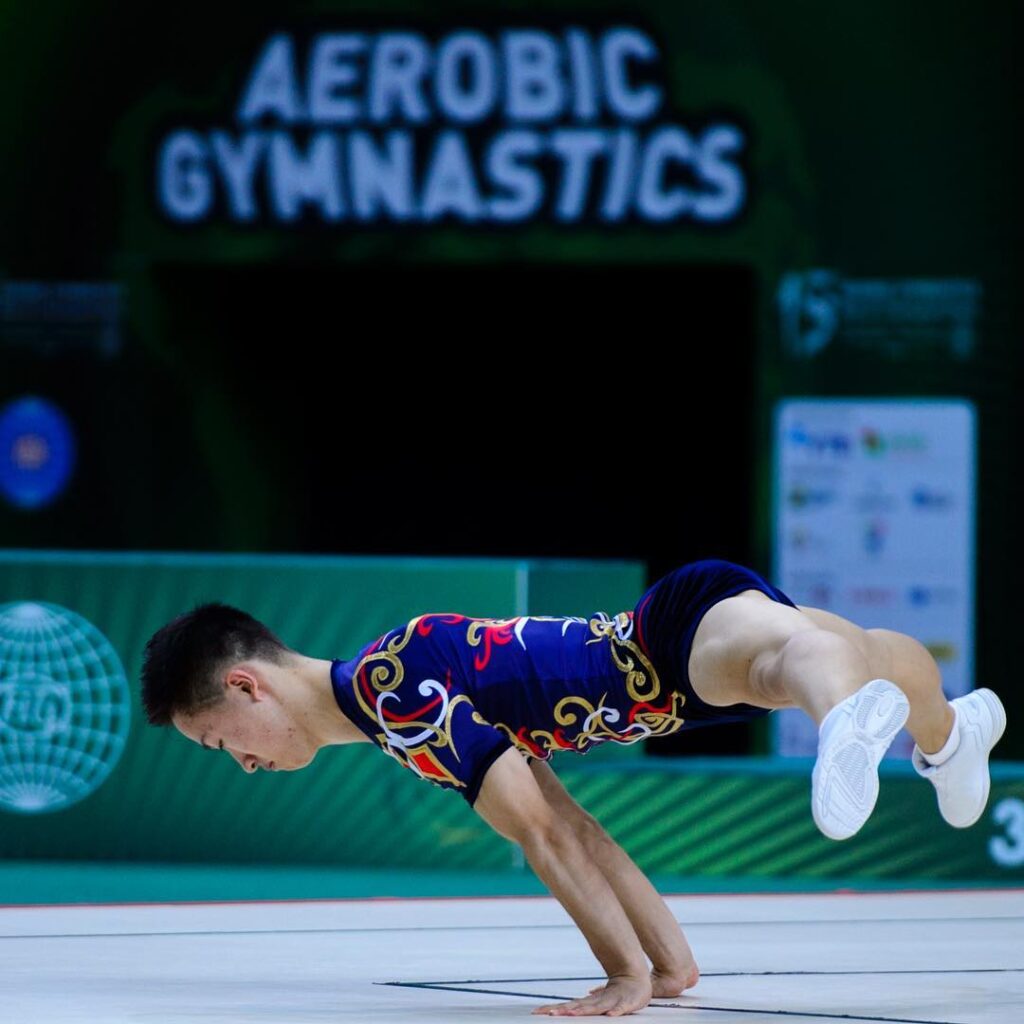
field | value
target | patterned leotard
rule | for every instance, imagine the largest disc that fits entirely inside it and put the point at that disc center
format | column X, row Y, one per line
column 446, row 694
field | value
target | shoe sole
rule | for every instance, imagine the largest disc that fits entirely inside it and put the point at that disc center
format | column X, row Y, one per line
column 998, row 712
column 853, row 762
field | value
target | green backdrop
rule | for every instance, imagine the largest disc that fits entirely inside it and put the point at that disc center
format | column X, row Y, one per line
column 168, row 802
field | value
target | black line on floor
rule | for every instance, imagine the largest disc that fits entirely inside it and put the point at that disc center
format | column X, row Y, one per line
column 677, row 1006
column 725, row 974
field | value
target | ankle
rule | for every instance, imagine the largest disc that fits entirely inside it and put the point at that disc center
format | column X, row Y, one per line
column 951, row 743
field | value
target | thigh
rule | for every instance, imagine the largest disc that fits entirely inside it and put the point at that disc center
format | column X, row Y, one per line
column 734, row 639
column 743, row 634
column 869, row 642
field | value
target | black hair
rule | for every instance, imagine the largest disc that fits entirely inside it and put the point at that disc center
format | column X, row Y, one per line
column 183, row 659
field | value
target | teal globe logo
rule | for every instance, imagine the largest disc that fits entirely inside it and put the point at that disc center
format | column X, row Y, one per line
column 64, row 707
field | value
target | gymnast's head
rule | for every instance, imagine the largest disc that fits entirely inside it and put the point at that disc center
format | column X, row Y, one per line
column 226, row 682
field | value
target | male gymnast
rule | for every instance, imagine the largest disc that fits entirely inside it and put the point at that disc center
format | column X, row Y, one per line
column 479, row 705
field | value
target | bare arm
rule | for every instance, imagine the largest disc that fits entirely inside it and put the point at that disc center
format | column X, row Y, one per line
column 511, row 802
column 660, row 934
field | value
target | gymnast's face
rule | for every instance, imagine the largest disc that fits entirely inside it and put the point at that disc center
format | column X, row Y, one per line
column 252, row 722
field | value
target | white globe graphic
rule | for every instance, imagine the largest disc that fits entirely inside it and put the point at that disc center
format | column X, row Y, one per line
column 64, row 707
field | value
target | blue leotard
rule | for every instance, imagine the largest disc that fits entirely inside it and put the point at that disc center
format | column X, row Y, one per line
column 445, row 694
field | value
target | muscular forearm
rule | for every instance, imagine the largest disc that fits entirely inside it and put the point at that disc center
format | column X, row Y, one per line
column 655, row 925
column 562, row 862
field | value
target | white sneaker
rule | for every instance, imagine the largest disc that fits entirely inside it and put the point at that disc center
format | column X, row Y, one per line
column 852, row 739
column 962, row 781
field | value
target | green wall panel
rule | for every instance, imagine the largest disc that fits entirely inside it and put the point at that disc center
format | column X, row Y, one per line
column 165, row 800
column 751, row 817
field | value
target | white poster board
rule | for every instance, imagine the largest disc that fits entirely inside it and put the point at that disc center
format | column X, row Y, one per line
column 873, row 519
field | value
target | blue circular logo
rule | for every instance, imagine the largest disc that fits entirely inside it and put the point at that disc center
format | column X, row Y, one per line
column 37, row 452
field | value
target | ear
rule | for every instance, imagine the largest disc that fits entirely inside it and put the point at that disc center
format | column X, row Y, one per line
column 242, row 676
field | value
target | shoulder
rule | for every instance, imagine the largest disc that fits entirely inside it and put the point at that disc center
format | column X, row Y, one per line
column 416, row 638
column 403, row 661
column 413, row 705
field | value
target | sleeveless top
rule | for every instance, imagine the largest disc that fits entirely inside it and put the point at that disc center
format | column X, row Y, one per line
column 446, row 694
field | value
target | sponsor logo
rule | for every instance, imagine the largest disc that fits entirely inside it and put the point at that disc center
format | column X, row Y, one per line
column 927, row 498
column 874, row 536
column 37, row 452
column 872, row 596
column 921, row 596
column 893, row 317
column 801, row 496
column 810, row 310
column 876, row 444
column 874, row 499
column 819, row 442
column 942, row 650
column 803, row 540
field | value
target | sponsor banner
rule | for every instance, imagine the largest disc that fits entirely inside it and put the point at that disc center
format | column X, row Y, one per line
column 895, row 318
column 874, row 520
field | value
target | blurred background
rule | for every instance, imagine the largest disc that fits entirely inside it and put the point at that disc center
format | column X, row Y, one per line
column 344, row 312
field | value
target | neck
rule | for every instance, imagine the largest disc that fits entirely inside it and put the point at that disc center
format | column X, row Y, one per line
column 317, row 709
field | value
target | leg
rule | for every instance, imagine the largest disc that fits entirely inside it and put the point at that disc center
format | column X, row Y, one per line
column 907, row 662
column 753, row 650
column 775, row 652
column 750, row 649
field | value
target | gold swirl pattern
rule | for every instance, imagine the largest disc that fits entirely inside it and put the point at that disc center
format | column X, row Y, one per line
column 416, row 735
column 641, row 680
column 411, row 746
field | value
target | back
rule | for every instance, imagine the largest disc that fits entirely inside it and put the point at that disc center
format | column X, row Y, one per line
column 447, row 693
column 558, row 682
